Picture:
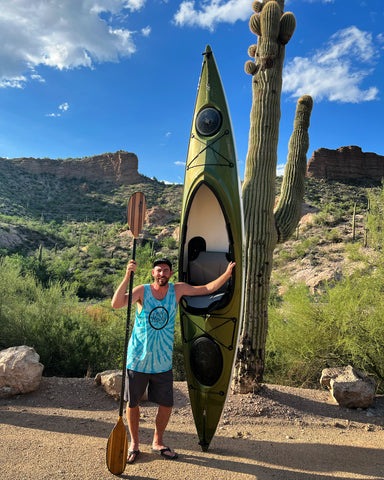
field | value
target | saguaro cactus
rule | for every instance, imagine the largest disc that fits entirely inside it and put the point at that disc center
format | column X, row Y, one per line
column 264, row 226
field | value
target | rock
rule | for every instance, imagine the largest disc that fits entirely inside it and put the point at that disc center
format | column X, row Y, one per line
column 20, row 371
column 349, row 387
column 345, row 163
column 176, row 233
column 10, row 237
column 110, row 380
column 119, row 167
column 159, row 216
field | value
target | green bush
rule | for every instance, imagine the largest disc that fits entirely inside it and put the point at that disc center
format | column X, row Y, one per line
column 342, row 326
column 70, row 342
column 375, row 219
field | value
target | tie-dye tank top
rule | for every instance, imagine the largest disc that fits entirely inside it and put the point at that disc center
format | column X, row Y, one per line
column 150, row 347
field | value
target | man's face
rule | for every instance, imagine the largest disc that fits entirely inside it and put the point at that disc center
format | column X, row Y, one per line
column 161, row 274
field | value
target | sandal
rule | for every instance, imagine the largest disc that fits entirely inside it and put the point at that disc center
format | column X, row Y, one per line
column 164, row 455
column 132, row 455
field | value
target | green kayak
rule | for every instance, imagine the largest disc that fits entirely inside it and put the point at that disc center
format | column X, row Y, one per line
column 211, row 236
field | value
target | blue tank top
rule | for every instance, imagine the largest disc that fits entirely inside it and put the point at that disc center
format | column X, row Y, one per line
column 150, row 347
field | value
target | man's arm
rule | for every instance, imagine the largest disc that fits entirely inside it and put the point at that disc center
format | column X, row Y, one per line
column 182, row 288
column 120, row 297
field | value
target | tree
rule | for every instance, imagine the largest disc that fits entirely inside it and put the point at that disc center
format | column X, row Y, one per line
column 265, row 226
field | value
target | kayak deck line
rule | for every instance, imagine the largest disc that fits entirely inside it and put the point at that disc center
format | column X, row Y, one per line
column 229, row 347
column 209, row 147
column 221, row 393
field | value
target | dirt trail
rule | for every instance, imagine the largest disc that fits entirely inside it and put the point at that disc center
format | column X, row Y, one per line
column 60, row 432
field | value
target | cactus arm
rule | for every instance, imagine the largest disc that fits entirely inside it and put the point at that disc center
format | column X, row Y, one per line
column 288, row 209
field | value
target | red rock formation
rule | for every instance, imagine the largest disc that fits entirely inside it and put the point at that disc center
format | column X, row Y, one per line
column 345, row 163
column 119, row 167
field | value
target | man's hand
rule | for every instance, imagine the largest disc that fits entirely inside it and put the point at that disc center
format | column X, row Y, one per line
column 131, row 267
column 231, row 266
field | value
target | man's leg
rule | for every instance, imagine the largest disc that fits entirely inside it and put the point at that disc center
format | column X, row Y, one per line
column 162, row 418
column 133, row 418
column 135, row 386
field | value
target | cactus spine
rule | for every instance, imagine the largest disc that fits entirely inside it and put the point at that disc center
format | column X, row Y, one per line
column 264, row 228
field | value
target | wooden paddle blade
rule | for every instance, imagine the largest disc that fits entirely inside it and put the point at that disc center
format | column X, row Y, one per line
column 117, row 448
column 136, row 213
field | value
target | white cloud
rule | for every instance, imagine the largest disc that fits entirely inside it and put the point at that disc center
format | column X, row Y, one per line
column 337, row 71
column 39, row 78
column 63, row 35
column 63, row 108
column 15, row 82
column 146, row 31
column 179, row 164
column 209, row 13
column 280, row 170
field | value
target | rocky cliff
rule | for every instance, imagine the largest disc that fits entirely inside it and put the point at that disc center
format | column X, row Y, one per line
column 119, row 167
column 345, row 163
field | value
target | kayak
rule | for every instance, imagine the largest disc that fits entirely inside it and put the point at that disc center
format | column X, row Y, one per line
column 211, row 235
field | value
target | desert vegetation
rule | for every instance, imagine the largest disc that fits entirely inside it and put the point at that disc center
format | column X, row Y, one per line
column 64, row 244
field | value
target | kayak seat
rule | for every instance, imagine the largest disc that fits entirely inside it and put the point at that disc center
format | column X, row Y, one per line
column 202, row 270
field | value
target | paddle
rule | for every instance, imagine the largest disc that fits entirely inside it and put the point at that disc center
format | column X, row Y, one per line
column 117, row 446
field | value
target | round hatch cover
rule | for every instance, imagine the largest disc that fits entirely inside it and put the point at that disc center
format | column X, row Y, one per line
column 208, row 121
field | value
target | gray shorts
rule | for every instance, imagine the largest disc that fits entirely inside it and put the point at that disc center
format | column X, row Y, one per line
column 160, row 388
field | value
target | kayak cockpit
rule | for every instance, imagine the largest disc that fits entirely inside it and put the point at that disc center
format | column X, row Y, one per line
column 207, row 266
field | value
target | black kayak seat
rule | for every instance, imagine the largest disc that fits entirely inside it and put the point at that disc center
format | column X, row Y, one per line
column 207, row 267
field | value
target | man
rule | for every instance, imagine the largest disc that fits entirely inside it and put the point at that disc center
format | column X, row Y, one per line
column 150, row 348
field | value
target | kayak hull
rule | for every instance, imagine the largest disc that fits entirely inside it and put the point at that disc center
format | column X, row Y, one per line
column 211, row 236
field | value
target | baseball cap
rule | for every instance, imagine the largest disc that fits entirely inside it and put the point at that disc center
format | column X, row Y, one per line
column 161, row 261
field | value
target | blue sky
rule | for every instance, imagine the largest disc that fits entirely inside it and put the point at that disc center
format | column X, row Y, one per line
column 84, row 77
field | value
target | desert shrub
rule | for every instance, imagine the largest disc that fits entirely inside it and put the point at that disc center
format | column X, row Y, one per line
column 295, row 348
column 52, row 320
column 305, row 246
column 375, row 219
column 355, row 253
column 341, row 326
column 332, row 236
column 96, row 251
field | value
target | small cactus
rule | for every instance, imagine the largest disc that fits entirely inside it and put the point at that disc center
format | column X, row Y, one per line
column 40, row 254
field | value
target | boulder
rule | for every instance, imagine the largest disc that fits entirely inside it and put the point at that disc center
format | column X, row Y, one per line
column 159, row 216
column 20, row 371
column 110, row 380
column 349, row 387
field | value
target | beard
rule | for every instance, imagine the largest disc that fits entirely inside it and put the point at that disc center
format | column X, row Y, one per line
column 162, row 281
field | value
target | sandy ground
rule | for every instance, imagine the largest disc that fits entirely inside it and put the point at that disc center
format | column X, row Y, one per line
column 61, row 432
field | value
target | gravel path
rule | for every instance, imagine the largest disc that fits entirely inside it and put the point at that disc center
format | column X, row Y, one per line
column 61, row 431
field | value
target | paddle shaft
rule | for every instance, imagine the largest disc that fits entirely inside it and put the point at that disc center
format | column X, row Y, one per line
column 121, row 408
column 117, row 446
